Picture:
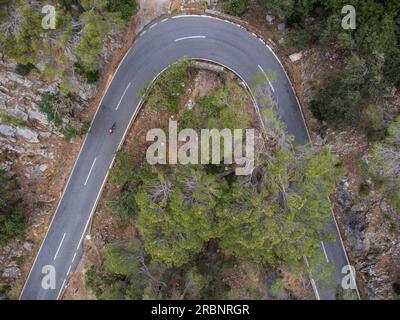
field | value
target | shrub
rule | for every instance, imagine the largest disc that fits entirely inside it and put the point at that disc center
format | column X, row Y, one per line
column 10, row 120
column 170, row 86
column 71, row 131
column 376, row 124
column 54, row 106
column 126, row 8
column 396, row 287
column 341, row 101
column 12, row 219
column 124, row 205
column 235, row 7
column 190, row 119
column 364, row 189
column 214, row 103
column 299, row 38
column 24, row 69
column 91, row 76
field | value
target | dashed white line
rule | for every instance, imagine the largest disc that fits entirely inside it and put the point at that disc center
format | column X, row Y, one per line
column 153, row 25
column 315, row 289
column 69, row 269
column 163, row 20
column 59, row 247
column 323, row 248
column 266, row 77
column 190, row 37
column 312, row 280
column 73, row 259
column 123, row 95
column 90, row 171
column 61, row 289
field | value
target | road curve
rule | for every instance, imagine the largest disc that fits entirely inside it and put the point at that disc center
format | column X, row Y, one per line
column 161, row 43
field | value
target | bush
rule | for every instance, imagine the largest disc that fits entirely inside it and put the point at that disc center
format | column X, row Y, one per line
column 364, row 189
column 71, row 131
column 281, row 8
column 126, row 8
column 54, row 107
column 376, row 124
column 24, row 69
column 90, row 42
column 12, row 220
column 396, row 287
column 299, row 38
column 235, row 7
column 124, row 205
column 91, row 76
column 341, row 101
column 190, row 119
column 214, row 103
column 170, row 86
column 11, row 120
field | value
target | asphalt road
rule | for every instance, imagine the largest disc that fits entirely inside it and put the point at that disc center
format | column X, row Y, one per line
column 161, row 43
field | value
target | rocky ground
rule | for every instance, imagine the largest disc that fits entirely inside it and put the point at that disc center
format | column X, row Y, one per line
column 35, row 152
column 370, row 226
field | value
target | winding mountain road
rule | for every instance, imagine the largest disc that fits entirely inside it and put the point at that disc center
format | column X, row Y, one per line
column 161, row 43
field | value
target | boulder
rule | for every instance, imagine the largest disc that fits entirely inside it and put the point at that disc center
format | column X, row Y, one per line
column 18, row 113
column 43, row 167
column 28, row 134
column 7, row 130
column 51, row 88
column 6, row 77
column 12, row 272
column 87, row 91
column 281, row 26
column 270, row 18
column 37, row 115
column 28, row 245
column 344, row 198
column 296, row 56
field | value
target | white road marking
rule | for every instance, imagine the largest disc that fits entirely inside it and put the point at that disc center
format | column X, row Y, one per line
column 69, row 269
column 123, row 95
column 163, row 20
column 61, row 289
column 59, row 247
column 153, row 25
column 73, row 168
column 323, row 248
column 90, row 171
column 315, row 289
column 312, row 281
column 266, row 77
column 73, row 259
column 191, row 37
column 122, row 141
